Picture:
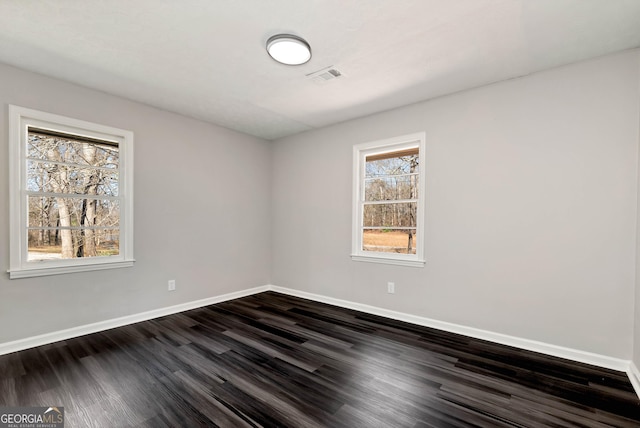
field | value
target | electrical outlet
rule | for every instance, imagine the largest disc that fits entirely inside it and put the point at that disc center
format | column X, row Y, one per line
column 391, row 287
column 172, row 285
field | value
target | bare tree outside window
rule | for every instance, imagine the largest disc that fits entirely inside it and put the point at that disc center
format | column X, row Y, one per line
column 72, row 190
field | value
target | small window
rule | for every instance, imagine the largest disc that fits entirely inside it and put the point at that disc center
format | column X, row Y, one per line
column 71, row 195
column 388, row 201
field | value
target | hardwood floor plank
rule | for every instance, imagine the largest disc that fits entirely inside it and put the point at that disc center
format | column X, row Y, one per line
column 272, row 360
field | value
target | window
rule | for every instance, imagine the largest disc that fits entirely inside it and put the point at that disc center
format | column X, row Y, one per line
column 388, row 211
column 71, row 195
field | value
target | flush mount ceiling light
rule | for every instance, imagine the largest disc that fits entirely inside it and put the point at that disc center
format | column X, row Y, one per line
column 288, row 49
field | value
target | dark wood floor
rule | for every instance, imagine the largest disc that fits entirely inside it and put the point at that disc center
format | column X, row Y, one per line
column 275, row 360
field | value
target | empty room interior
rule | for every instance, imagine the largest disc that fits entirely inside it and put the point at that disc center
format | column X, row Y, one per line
column 424, row 215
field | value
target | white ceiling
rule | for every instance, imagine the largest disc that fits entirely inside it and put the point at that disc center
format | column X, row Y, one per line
column 206, row 58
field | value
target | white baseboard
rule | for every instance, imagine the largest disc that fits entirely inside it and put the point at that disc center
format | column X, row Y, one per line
column 517, row 342
column 634, row 377
column 44, row 339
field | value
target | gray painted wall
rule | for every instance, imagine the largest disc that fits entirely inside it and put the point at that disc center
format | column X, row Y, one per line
column 531, row 208
column 636, row 330
column 202, row 207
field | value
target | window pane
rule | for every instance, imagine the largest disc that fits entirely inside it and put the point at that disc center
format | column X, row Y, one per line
column 392, row 166
column 390, row 215
column 79, row 180
column 72, row 227
column 48, row 244
column 391, row 188
column 59, row 149
column 389, row 241
column 72, row 212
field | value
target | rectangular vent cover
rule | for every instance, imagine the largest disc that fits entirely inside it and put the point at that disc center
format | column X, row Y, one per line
column 326, row 74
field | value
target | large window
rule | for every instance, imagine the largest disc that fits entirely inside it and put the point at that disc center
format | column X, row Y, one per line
column 71, row 195
column 388, row 201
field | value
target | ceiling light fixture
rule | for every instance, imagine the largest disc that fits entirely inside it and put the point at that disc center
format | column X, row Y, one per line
column 288, row 49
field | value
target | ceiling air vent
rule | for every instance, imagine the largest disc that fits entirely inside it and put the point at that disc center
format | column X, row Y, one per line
column 324, row 75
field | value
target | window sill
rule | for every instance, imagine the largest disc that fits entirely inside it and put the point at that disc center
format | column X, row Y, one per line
column 57, row 270
column 388, row 260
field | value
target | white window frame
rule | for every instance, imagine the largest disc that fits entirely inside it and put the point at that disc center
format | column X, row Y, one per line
column 20, row 119
column 360, row 152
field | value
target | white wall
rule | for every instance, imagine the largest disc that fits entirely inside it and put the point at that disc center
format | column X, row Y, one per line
column 202, row 207
column 531, row 208
column 636, row 330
